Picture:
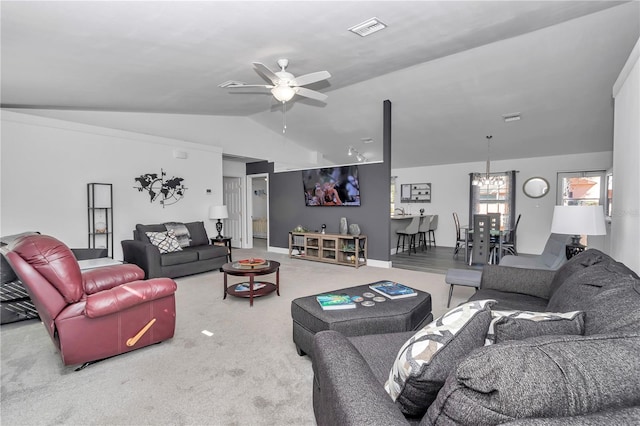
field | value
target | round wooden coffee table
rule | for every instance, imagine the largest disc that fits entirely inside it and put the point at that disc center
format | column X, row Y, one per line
column 236, row 269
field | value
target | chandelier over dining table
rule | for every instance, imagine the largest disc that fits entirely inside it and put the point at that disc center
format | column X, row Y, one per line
column 487, row 178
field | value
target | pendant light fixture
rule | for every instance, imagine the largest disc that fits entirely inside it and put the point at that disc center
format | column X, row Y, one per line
column 486, row 178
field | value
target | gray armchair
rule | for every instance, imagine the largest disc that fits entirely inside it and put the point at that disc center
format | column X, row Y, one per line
column 552, row 257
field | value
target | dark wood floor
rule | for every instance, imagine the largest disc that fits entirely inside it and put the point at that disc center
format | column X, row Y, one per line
column 435, row 259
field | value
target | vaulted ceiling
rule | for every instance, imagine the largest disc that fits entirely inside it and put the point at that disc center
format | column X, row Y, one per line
column 450, row 68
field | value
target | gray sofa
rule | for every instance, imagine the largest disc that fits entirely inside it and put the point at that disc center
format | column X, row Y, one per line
column 199, row 256
column 586, row 378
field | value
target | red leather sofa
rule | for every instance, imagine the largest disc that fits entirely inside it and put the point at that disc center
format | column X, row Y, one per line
column 94, row 314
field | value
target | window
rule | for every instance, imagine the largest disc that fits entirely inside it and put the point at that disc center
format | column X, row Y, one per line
column 609, row 197
column 581, row 188
column 494, row 195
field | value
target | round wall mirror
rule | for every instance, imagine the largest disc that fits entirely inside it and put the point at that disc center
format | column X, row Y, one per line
column 536, row 187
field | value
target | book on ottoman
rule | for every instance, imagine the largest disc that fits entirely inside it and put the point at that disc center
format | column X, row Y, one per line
column 393, row 290
column 335, row 301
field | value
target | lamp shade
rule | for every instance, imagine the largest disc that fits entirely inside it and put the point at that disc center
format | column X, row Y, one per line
column 218, row 212
column 578, row 220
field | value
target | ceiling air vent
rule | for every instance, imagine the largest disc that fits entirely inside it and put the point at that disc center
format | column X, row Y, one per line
column 514, row 116
column 368, row 27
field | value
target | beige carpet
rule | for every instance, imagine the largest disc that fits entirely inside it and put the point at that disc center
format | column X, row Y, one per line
column 246, row 373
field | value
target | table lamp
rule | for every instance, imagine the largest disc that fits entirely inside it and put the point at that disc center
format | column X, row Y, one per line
column 578, row 221
column 218, row 212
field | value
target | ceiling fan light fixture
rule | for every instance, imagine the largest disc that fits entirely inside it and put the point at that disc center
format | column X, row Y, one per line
column 283, row 93
column 350, row 151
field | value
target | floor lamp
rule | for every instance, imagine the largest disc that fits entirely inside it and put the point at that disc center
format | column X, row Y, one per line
column 218, row 212
column 577, row 221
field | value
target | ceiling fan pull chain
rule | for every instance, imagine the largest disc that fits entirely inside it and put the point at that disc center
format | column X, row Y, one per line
column 284, row 118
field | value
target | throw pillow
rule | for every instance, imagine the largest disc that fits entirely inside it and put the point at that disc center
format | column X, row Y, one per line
column 519, row 325
column 181, row 232
column 165, row 241
column 426, row 359
column 198, row 233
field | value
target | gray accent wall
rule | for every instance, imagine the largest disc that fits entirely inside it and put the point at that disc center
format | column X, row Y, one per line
column 288, row 210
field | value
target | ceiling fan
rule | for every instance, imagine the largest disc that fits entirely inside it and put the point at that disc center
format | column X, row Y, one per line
column 284, row 84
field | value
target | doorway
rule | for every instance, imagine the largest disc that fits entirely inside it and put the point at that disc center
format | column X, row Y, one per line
column 258, row 209
column 232, row 198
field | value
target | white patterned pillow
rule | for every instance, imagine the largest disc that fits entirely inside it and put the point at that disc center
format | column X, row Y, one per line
column 426, row 359
column 165, row 241
column 518, row 325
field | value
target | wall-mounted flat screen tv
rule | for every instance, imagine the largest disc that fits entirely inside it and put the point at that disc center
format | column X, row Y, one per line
column 331, row 186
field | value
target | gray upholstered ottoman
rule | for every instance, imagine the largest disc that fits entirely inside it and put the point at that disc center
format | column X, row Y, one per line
column 390, row 316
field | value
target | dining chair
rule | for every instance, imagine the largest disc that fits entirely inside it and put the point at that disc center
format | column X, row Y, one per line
column 433, row 225
column 482, row 246
column 509, row 243
column 495, row 235
column 423, row 230
column 410, row 231
column 460, row 240
column 494, row 221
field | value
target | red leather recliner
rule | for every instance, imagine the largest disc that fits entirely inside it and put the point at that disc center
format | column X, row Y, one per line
column 97, row 313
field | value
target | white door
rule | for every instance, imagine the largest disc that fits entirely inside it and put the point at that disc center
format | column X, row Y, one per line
column 232, row 198
column 257, row 208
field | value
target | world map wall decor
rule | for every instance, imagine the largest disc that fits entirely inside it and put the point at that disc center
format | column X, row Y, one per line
column 168, row 191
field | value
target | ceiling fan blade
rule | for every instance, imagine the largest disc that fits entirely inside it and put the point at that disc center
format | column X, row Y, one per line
column 266, row 72
column 313, row 77
column 308, row 93
column 239, row 86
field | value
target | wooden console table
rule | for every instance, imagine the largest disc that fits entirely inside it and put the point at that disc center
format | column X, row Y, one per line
column 350, row 250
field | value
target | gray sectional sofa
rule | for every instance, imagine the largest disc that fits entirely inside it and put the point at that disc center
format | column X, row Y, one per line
column 585, row 377
column 199, row 256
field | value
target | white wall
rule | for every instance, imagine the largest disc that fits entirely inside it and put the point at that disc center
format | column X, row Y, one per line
column 625, row 220
column 47, row 163
column 239, row 136
column 450, row 193
column 234, row 169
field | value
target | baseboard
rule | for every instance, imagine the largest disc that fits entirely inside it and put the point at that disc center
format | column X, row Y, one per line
column 379, row 263
column 280, row 250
